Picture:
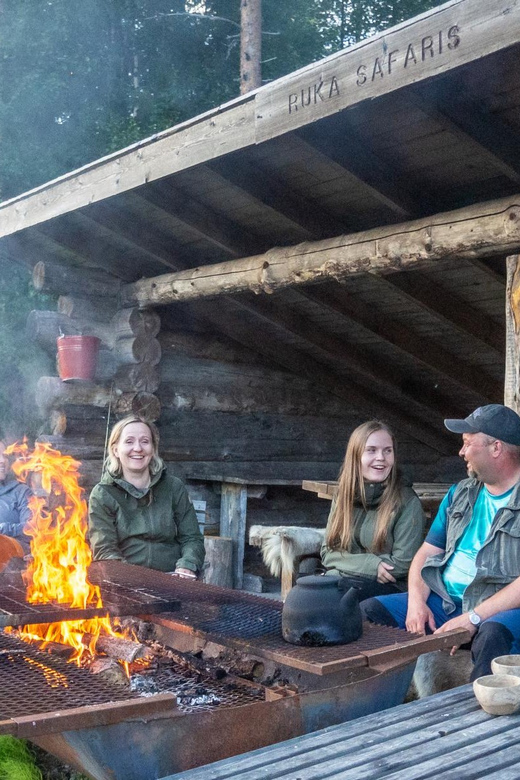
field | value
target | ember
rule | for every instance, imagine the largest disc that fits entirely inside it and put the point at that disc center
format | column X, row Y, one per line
column 61, row 556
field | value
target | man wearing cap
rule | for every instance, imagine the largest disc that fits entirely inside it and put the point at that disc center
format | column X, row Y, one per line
column 467, row 572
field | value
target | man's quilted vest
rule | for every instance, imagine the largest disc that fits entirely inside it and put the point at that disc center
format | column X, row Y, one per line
column 498, row 560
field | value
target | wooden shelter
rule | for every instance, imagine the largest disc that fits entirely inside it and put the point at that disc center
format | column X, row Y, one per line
column 328, row 248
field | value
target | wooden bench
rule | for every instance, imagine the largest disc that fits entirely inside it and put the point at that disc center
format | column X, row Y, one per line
column 447, row 736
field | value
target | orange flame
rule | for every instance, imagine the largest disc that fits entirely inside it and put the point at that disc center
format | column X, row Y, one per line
column 60, row 553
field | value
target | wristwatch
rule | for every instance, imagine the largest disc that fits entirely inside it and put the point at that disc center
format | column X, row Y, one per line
column 474, row 619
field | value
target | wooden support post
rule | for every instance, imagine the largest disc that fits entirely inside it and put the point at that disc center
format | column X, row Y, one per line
column 512, row 374
column 233, row 505
column 219, row 561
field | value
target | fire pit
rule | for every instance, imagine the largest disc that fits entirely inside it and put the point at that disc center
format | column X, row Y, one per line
column 185, row 714
column 199, row 718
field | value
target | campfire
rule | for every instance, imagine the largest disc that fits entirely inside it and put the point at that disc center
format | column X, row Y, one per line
column 57, row 571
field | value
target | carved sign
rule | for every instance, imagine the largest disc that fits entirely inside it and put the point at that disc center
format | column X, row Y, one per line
column 432, row 44
column 384, row 65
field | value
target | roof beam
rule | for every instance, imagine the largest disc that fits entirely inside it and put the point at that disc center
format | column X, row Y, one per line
column 401, row 338
column 444, row 305
column 474, row 231
column 136, row 233
column 202, row 221
column 381, row 181
column 310, row 218
column 362, row 369
column 482, row 131
column 75, row 234
column 227, row 316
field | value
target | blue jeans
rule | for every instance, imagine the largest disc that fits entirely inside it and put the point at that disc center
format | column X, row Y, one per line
column 498, row 635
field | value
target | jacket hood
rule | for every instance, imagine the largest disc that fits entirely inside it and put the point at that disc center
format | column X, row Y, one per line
column 109, row 478
column 8, row 486
column 374, row 490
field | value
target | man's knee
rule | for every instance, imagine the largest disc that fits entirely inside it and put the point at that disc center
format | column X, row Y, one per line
column 374, row 611
column 493, row 639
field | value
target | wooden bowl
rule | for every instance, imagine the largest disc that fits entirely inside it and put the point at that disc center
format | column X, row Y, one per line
column 498, row 694
column 506, row 664
column 9, row 548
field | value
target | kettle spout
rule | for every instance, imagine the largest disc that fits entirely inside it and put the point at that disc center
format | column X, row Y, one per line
column 351, row 614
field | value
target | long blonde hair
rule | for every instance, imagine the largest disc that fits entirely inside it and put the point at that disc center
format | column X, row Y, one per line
column 351, row 486
column 113, row 464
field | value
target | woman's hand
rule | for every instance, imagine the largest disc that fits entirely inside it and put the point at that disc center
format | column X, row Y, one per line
column 185, row 573
column 383, row 573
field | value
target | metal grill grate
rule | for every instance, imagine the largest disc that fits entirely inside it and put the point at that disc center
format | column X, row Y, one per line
column 118, row 600
column 33, row 682
column 250, row 623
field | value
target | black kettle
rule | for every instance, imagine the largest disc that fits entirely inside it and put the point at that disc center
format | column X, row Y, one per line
column 318, row 612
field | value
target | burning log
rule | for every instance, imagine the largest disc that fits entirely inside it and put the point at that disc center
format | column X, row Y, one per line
column 117, row 647
column 110, row 670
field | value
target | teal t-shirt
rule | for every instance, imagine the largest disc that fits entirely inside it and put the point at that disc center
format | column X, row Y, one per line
column 460, row 569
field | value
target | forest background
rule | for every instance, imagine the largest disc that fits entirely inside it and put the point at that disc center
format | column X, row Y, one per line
column 82, row 78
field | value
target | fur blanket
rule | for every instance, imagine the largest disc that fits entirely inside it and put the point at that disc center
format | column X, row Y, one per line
column 282, row 545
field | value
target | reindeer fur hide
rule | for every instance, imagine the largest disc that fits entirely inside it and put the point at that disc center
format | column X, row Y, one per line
column 281, row 545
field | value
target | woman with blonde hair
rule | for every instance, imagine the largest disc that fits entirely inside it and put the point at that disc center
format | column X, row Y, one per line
column 376, row 523
column 139, row 513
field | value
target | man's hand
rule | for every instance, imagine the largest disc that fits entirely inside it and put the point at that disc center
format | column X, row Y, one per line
column 462, row 621
column 383, row 573
column 419, row 616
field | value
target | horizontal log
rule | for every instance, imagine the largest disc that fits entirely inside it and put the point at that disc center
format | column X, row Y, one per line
column 195, row 345
column 95, row 309
column 474, row 231
column 181, row 396
column 141, row 377
column 52, row 393
column 45, row 327
column 65, row 280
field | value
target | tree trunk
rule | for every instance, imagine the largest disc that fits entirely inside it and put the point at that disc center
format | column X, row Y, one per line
column 250, row 45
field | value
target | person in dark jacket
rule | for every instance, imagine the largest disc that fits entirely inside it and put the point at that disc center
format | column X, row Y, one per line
column 139, row 513
column 376, row 523
column 14, row 498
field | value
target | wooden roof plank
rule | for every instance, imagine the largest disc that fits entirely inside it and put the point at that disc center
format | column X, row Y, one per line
column 435, row 357
column 445, row 304
column 212, row 227
column 310, row 219
column 483, row 131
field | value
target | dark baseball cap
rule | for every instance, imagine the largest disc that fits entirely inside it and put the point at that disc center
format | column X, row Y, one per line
column 495, row 420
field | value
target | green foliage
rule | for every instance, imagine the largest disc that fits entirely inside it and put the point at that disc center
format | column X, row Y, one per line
column 16, row 760
column 82, row 78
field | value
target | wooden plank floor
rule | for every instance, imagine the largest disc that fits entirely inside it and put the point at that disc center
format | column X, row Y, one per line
column 443, row 736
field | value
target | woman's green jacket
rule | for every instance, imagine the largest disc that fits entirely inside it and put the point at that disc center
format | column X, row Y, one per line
column 405, row 536
column 156, row 527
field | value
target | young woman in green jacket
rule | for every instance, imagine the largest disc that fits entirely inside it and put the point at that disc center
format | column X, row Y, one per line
column 376, row 523
column 139, row 513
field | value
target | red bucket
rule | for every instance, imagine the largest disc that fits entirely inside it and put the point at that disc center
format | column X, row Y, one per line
column 77, row 356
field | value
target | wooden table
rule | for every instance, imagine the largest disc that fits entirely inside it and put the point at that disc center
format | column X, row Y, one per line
column 430, row 493
column 444, row 736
